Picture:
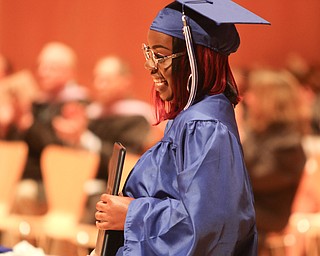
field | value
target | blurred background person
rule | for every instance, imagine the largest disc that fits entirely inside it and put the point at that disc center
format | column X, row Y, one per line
column 113, row 105
column 273, row 150
column 241, row 77
column 17, row 92
column 306, row 206
column 56, row 78
column 304, row 72
column 111, row 113
column 308, row 195
column 57, row 74
column 314, row 81
column 6, row 108
column 6, row 113
column 115, row 115
column 5, row 66
column 112, row 90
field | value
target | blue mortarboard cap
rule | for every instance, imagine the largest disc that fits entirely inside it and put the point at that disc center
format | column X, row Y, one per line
column 223, row 11
column 211, row 22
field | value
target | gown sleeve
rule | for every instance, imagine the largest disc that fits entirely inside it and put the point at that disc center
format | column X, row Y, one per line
column 208, row 211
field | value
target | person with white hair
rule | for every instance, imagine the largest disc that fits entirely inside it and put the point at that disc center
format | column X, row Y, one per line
column 58, row 94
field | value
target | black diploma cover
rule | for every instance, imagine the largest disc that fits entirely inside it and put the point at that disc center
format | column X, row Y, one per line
column 109, row 241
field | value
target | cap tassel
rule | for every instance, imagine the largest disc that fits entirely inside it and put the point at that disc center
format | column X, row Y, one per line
column 193, row 64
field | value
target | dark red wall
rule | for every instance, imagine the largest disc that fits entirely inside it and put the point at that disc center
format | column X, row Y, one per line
column 98, row 27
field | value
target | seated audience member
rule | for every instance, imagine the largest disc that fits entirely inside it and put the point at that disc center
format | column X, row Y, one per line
column 273, row 150
column 308, row 196
column 111, row 115
column 56, row 75
column 113, row 106
column 115, row 115
column 17, row 92
column 112, row 90
column 308, row 77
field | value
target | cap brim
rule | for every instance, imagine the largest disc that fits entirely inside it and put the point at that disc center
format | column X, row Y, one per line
column 224, row 11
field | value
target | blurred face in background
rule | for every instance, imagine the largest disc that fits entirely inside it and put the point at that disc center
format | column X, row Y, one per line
column 272, row 97
column 111, row 80
column 56, row 67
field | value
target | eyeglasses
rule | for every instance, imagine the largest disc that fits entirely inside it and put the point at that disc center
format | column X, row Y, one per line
column 157, row 58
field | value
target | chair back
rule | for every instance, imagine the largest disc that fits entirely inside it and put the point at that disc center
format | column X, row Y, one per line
column 65, row 171
column 13, row 157
column 130, row 161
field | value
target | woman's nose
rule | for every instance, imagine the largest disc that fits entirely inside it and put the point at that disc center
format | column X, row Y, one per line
column 150, row 65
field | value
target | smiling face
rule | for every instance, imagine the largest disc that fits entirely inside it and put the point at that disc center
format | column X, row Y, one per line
column 161, row 45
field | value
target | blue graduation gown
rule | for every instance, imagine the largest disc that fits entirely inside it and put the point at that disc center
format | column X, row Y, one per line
column 193, row 194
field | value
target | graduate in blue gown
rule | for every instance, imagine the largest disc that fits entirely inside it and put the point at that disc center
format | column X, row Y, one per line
column 189, row 194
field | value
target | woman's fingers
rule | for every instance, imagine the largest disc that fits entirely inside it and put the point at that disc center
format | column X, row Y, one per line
column 111, row 212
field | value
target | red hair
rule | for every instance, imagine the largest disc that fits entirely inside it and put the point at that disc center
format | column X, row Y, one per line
column 215, row 77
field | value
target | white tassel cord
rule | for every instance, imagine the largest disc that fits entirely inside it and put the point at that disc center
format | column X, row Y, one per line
column 193, row 63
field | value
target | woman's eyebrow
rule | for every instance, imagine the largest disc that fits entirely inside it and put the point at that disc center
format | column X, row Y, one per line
column 160, row 46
